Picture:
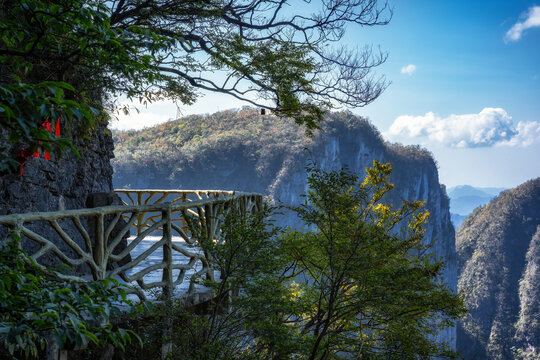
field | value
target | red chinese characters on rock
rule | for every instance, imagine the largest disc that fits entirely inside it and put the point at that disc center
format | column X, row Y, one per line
column 57, row 128
column 26, row 153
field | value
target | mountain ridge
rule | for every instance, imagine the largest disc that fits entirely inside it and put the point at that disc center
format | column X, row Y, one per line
column 469, row 190
column 498, row 249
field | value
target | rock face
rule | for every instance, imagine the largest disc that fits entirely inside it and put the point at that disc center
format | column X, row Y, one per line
column 499, row 252
column 51, row 185
column 45, row 182
column 248, row 152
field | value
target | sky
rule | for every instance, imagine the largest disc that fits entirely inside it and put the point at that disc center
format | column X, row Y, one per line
column 465, row 84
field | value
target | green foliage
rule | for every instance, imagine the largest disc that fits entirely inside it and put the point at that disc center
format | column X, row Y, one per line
column 181, row 144
column 252, row 290
column 24, row 107
column 36, row 306
column 358, row 284
column 369, row 286
column 154, row 50
column 72, row 46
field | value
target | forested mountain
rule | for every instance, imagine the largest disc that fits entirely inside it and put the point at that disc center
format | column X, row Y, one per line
column 499, row 250
column 245, row 151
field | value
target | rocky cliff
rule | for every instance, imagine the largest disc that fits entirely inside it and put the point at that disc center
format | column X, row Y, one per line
column 499, row 250
column 59, row 184
column 50, row 185
column 245, row 151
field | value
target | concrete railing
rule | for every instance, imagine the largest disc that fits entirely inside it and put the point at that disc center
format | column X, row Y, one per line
column 151, row 196
column 94, row 241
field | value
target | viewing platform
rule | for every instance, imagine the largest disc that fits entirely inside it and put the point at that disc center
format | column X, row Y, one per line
column 152, row 242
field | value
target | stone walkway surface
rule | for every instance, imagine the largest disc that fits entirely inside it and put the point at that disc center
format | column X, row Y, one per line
column 157, row 257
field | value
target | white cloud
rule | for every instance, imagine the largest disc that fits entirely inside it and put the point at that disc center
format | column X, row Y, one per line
column 409, row 69
column 527, row 134
column 138, row 121
column 154, row 114
column 530, row 19
column 490, row 127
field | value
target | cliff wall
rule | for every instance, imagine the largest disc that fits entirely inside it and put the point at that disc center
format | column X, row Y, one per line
column 59, row 184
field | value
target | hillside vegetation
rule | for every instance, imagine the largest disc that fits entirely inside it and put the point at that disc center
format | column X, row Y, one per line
column 178, row 144
column 194, row 144
column 498, row 250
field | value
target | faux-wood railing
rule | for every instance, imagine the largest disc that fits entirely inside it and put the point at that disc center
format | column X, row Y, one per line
column 152, row 196
column 194, row 217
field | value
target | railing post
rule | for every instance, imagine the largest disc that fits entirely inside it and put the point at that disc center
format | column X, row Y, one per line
column 184, row 223
column 208, row 224
column 259, row 202
column 167, row 277
column 140, row 216
column 243, row 207
column 99, row 247
column 17, row 232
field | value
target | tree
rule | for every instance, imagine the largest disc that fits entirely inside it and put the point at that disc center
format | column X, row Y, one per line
column 369, row 285
column 68, row 57
column 263, row 48
column 359, row 284
column 58, row 62
column 253, row 300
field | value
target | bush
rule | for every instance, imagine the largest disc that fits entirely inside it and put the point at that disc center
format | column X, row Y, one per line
column 36, row 304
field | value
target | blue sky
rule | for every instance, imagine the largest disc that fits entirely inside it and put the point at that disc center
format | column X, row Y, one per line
column 465, row 83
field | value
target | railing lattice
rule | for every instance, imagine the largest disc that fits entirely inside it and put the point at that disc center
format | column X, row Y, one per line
column 89, row 239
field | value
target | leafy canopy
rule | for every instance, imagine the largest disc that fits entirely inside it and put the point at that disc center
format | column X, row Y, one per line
column 69, row 57
column 59, row 59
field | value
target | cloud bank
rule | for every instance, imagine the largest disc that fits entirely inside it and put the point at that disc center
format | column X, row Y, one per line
column 409, row 69
column 490, row 127
column 531, row 20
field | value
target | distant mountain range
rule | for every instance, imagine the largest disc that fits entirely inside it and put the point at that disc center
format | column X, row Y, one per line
column 467, row 190
column 465, row 198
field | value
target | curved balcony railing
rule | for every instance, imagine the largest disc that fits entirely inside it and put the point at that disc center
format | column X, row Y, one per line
column 152, row 196
column 102, row 242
